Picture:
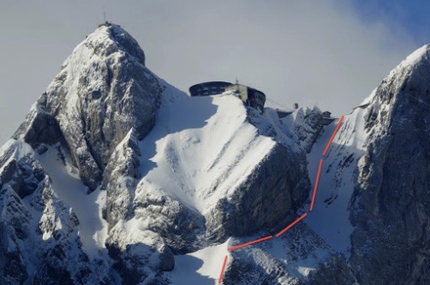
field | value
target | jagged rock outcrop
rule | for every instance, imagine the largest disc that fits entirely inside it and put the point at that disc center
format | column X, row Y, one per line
column 39, row 239
column 103, row 92
column 290, row 259
column 391, row 201
column 197, row 201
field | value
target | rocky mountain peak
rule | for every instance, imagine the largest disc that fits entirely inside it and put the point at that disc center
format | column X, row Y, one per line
column 102, row 92
column 109, row 38
column 406, row 87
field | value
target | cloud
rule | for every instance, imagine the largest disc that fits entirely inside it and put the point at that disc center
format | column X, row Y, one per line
column 309, row 52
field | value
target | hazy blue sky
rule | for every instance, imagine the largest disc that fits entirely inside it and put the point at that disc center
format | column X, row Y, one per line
column 326, row 52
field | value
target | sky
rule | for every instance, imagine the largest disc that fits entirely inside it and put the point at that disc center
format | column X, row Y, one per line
column 329, row 53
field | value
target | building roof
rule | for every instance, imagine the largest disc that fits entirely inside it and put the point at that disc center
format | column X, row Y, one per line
column 196, row 88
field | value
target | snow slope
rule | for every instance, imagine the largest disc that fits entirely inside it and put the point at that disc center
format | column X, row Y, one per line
column 199, row 145
column 330, row 216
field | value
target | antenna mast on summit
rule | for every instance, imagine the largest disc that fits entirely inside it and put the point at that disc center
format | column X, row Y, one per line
column 104, row 15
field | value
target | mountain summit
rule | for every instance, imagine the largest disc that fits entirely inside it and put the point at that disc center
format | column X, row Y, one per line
column 102, row 92
column 117, row 177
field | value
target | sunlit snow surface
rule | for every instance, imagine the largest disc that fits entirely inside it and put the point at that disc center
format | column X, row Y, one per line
column 200, row 144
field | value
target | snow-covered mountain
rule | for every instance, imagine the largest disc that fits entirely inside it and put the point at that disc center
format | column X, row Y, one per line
column 117, row 177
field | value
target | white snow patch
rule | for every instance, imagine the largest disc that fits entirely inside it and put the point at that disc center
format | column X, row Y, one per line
column 416, row 56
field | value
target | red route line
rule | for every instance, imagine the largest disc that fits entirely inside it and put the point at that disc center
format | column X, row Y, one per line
column 298, row 219
column 317, row 180
column 249, row 243
column 292, row 224
column 222, row 270
column 332, row 136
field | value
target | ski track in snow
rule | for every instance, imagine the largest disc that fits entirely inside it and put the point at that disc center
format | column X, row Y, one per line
column 330, row 216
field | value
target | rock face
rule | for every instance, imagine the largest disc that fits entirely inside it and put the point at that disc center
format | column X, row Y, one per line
column 205, row 180
column 38, row 228
column 264, row 200
column 391, row 201
column 102, row 91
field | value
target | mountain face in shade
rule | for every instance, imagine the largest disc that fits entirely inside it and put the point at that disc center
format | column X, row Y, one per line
column 391, row 198
column 117, row 177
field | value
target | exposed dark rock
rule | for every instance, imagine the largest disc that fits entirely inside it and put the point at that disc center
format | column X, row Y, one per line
column 13, row 269
column 138, row 262
column 270, row 196
column 333, row 271
column 391, row 202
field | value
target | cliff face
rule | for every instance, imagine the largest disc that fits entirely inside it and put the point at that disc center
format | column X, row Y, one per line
column 40, row 241
column 102, row 91
column 210, row 169
column 390, row 204
column 61, row 152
